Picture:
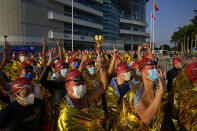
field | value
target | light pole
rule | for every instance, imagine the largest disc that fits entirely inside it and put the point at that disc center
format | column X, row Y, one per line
column 72, row 25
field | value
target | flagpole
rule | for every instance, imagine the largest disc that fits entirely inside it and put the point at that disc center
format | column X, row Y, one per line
column 153, row 26
column 72, row 25
column 151, row 30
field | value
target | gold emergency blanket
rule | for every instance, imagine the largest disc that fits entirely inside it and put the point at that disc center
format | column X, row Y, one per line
column 178, row 95
column 88, row 119
column 129, row 119
column 188, row 109
column 12, row 69
column 2, row 104
column 91, row 84
column 181, row 83
column 113, row 107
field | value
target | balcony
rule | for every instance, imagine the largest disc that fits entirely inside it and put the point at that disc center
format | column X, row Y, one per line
column 68, row 19
column 133, row 22
column 123, row 31
column 81, row 7
column 63, row 36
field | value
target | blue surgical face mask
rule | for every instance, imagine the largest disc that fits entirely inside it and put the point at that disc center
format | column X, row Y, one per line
column 63, row 72
column 92, row 70
column 76, row 65
column 152, row 74
column 29, row 76
column 34, row 69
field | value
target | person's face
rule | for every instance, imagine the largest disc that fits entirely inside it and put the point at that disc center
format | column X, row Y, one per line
column 122, row 76
column 178, row 65
column 22, row 58
column 24, row 93
column 72, row 64
column 89, row 66
column 145, row 72
column 69, row 87
column 61, row 67
column 145, row 45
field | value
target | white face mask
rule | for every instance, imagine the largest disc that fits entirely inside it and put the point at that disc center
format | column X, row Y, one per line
column 137, row 72
column 22, row 58
column 127, row 76
column 79, row 91
column 63, row 72
column 28, row 100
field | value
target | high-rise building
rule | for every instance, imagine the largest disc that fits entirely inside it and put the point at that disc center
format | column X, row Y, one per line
column 87, row 22
column 124, row 23
column 133, row 24
column 25, row 22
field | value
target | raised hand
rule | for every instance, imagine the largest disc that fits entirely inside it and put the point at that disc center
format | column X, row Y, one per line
column 44, row 42
column 6, row 49
column 51, row 52
column 115, row 50
column 100, row 62
column 64, row 51
column 58, row 42
column 84, row 58
column 139, row 48
column 162, row 82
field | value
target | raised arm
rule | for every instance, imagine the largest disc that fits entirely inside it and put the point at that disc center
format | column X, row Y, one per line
column 59, row 49
column 83, row 60
column 150, row 55
column 112, row 65
column 6, row 52
column 147, row 114
column 96, row 92
column 138, row 53
column 44, row 42
column 44, row 74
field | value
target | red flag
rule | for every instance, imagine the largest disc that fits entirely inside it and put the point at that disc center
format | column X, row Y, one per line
column 155, row 6
column 152, row 15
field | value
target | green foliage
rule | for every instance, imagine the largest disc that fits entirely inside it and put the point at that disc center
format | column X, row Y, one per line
column 186, row 31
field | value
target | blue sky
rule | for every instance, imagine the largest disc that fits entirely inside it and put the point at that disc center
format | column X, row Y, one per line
column 171, row 15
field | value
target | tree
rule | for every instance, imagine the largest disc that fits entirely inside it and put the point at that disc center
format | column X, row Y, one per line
column 180, row 37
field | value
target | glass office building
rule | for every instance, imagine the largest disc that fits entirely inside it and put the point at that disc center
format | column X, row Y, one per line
column 89, row 24
column 133, row 24
column 111, row 20
column 122, row 22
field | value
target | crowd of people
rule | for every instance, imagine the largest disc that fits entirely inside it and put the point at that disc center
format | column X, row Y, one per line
column 95, row 90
